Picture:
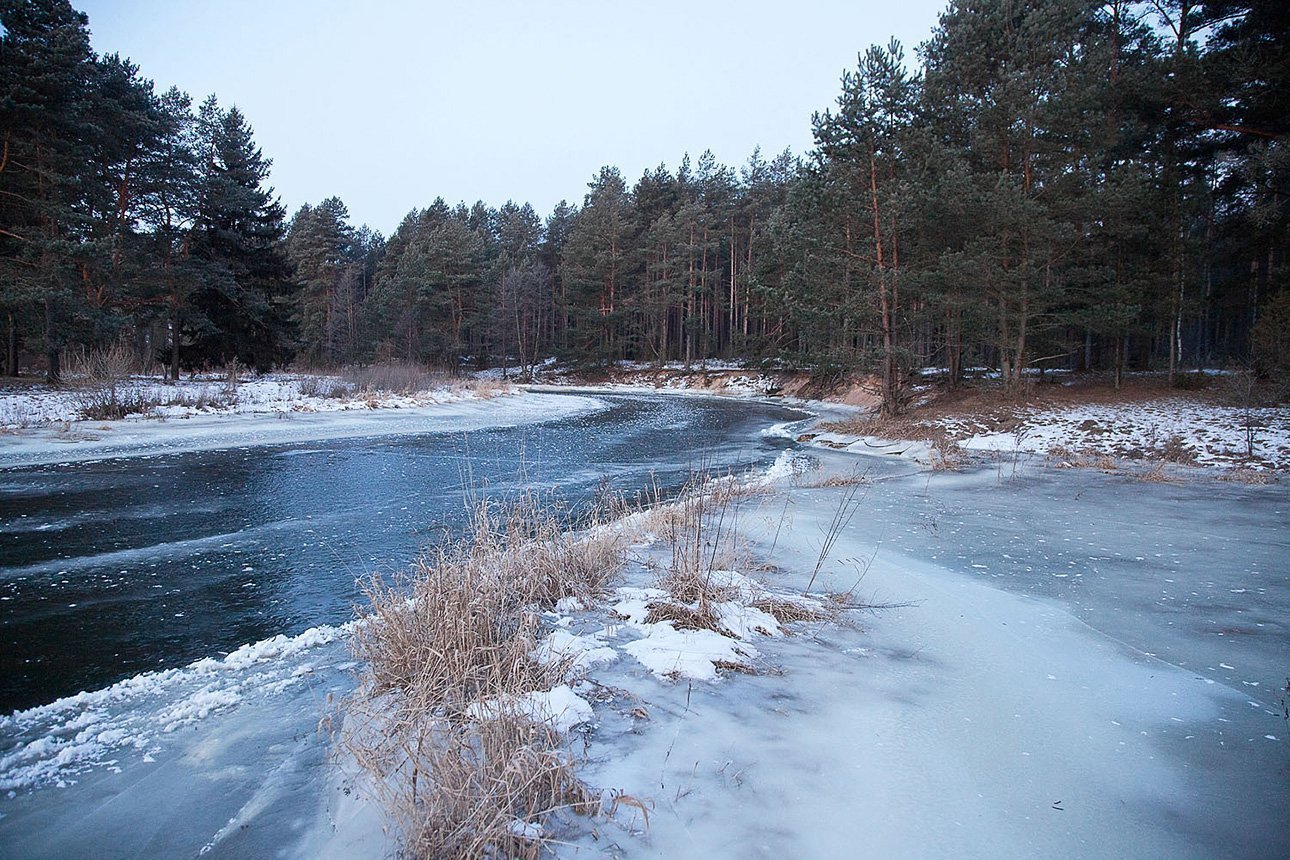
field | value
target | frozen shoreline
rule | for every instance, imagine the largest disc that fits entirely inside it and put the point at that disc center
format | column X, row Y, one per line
column 100, row 440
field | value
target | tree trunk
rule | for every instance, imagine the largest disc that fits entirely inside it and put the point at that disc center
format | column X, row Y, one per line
column 890, row 400
column 11, row 348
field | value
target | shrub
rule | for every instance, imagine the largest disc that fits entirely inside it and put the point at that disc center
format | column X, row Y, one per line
column 113, row 404
column 393, row 378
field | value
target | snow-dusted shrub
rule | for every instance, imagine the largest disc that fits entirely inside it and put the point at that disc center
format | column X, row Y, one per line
column 394, row 378
column 112, row 403
column 326, row 387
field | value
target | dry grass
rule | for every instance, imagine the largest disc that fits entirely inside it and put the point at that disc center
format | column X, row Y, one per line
column 326, row 387
column 1156, row 474
column 1064, row 458
column 700, row 529
column 486, row 389
column 790, row 611
column 443, row 644
column 683, row 617
column 1174, row 450
column 1245, row 475
column 855, row 477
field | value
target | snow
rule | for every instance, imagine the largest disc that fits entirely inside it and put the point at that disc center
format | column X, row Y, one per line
column 582, row 652
column 966, row 721
column 1210, row 434
column 743, row 622
column 251, row 425
column 633, row 603
column 560, row 707
column 86, row 731
column 694, row 654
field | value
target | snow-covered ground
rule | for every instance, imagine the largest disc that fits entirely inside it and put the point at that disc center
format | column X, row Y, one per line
column 37, row 405
column 1173, row 430
column 42, row 424
column 1184, row 430
column 1043, row 681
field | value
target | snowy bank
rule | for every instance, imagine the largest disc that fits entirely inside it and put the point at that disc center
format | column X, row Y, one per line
column 300, row 422
column 1173, row 430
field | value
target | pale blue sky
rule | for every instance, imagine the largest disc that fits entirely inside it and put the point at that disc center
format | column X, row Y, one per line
column 390, row 103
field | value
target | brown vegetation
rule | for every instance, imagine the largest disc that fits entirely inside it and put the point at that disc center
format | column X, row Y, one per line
column 448, row 648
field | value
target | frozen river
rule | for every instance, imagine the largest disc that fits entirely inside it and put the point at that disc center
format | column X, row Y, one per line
column 1086, row 665
column 116, row 567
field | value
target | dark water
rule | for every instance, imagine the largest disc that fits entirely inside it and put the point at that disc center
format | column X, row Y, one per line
column 112, row 568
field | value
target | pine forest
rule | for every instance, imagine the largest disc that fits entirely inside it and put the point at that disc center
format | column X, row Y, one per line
column 1056, row 184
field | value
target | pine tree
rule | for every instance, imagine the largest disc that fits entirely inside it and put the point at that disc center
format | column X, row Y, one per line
column 599, row 262
column 329, row 269
column 45, row 71
column 860, row 152
column 245, row 314
column 996, row 76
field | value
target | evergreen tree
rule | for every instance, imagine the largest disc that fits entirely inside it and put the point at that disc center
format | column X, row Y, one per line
column 245, row 313
column 45, row 71
column 329, row 269
column 598, row 264
column 860, row 152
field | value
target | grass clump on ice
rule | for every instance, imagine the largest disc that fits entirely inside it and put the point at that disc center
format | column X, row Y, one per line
column 706, row 549
column 447, row 719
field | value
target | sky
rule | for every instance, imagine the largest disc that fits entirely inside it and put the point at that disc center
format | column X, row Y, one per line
column 389, row 104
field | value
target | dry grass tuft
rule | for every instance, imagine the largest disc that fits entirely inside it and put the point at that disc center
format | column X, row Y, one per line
column 487, row 389
column 700, row 530
column 395, row 378
column 790, row 611
column 1245, row 475
column 1175, row 450
column 855, row 478
column 461, row 775
column 949, row 456
column 685, row 617
column 1064, row 458
column 1156, row 474
column 325, row 387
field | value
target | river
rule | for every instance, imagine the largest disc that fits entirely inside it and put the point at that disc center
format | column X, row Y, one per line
column 120, row 566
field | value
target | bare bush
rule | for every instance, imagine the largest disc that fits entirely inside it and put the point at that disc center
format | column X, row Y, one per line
column 106, row 373
column 112, row 403
column 107, row 366
column 393, row 378
column 326, row 387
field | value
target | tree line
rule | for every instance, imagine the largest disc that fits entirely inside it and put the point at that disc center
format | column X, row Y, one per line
column 1055, row 184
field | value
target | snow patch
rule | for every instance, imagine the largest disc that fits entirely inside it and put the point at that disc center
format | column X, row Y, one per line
column 697, row 654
